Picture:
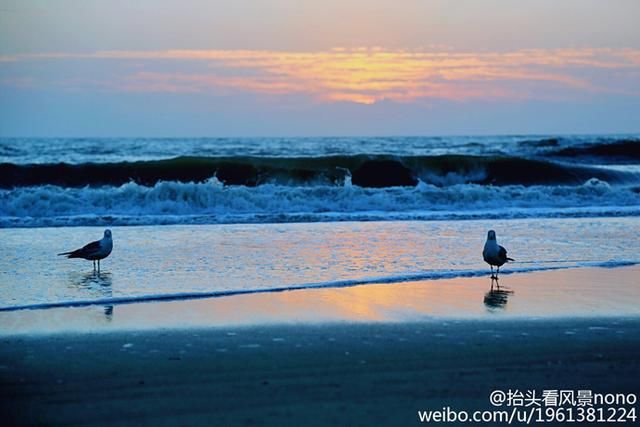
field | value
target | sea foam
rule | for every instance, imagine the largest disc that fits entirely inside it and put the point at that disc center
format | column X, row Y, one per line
column 211, row 202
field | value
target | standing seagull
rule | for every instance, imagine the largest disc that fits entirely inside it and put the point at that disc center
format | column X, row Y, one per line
column 494, row 254
column 94, row 251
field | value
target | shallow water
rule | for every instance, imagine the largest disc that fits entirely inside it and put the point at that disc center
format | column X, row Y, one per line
column 588, row 293
column 150, row 261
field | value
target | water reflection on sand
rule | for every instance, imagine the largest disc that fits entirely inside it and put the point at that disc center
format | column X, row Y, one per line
column 96, row 285
column 584, row 292
column 498, row 296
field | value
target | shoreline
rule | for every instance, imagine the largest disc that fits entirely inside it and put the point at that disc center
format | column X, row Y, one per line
column 339, row 284
column 362, row 355
column 515, row 214
column 588, row 292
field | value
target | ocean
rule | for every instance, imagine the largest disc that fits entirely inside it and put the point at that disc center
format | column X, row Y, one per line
column 82, row 182
column 203, row 217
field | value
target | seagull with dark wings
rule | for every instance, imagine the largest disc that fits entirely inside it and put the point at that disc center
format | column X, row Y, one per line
column 494, row 254
column 94, row 251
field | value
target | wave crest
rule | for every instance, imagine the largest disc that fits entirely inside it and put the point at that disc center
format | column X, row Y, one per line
column 212, row 202
column 369, row 171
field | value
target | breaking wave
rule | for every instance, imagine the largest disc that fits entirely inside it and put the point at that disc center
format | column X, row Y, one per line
column 212, row 202
column 369, row 171
column 618, row 151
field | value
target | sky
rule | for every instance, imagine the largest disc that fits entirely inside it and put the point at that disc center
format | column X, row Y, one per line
column 315, row 68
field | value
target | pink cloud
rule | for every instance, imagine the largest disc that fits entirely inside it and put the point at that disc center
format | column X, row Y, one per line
column 370, row 75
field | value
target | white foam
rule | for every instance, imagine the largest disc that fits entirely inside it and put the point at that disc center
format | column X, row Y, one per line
column 211, row 202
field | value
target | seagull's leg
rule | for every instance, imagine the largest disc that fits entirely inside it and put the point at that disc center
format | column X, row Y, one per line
column 94, row 265
column 491, row 270
column 496, row 273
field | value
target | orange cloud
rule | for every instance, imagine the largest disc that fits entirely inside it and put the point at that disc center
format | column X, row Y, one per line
column 370, row 75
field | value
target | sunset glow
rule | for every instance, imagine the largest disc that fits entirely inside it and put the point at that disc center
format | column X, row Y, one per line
column 365, row 75
column 290, row 68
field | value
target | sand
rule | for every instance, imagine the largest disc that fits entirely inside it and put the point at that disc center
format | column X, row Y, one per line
column 346, row 374
column 366, row 355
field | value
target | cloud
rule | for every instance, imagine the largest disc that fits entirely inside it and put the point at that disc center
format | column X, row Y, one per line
column 364, row 75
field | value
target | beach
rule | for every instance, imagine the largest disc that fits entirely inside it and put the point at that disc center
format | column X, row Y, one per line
column 253, row 284
column 371, row 354
column 339, row 374
column 305, row 213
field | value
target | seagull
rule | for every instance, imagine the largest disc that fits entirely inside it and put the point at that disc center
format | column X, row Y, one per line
column 94, row 251
column 494, row 254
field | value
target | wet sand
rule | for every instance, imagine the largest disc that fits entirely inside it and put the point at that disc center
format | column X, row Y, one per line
column 338, row 374
column 366, row 355
column 581, row 292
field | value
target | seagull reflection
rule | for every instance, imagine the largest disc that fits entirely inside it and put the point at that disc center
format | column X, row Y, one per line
column 497, row 297
column 94, row 285
column 108, row 312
